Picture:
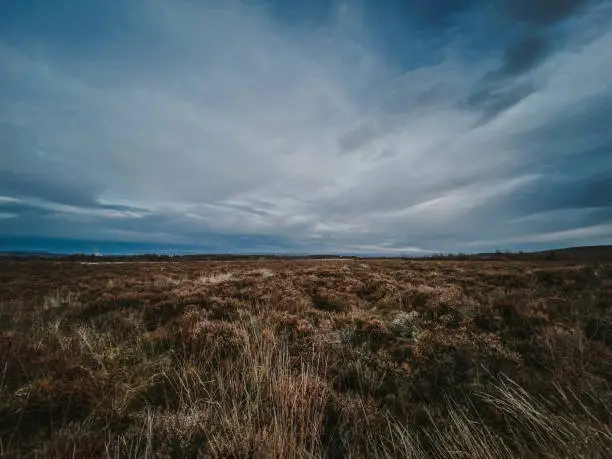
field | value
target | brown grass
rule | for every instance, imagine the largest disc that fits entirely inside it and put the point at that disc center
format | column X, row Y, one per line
column 309, row 358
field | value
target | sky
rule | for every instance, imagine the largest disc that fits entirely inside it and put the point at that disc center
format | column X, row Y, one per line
column 323, row 126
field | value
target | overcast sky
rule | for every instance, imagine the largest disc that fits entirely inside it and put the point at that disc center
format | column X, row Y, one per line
column 362, row 126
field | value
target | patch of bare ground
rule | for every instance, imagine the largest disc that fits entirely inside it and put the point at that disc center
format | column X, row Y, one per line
column 285, row 359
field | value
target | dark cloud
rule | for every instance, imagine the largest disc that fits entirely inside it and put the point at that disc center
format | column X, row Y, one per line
column 20, row 209
column 437, row 12
column 41, row 184
column 411, row 30
column 426, row 12
column 73, row 24
column 576, row 123
column 39, row 206
column 524, row 55
column 498, row 90
column 308, row 13
column 541, row 12
column 493, row 99
column 559, row 192
column 597, row 191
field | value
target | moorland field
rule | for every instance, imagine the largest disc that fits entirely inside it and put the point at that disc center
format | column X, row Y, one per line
column 306, row 358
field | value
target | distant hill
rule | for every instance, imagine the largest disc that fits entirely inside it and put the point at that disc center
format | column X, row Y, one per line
column 593, row 253
column 584, row 253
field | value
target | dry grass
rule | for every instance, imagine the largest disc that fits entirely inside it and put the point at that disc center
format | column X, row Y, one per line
column 305, row 359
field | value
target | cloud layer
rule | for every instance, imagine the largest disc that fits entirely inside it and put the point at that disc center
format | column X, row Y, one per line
column 336, row 126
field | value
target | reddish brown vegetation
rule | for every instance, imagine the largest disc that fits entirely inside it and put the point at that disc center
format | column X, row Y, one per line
column 344, row 358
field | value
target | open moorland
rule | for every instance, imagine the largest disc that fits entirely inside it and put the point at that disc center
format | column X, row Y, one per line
column 312, row 358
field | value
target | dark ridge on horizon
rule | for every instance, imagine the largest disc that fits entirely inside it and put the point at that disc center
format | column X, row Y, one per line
column 594, row 253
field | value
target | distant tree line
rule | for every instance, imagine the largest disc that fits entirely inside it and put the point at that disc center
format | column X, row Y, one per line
column 581, row 254
column 153, row 257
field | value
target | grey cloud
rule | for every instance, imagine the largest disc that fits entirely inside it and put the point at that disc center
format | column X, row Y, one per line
column 387, row 153
column 359, row 137
column 249, row 209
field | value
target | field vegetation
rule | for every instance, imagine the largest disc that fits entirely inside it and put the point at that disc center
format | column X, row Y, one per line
column 312, row 358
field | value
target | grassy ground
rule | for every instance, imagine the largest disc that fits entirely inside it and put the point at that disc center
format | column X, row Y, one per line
column 288, row 359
